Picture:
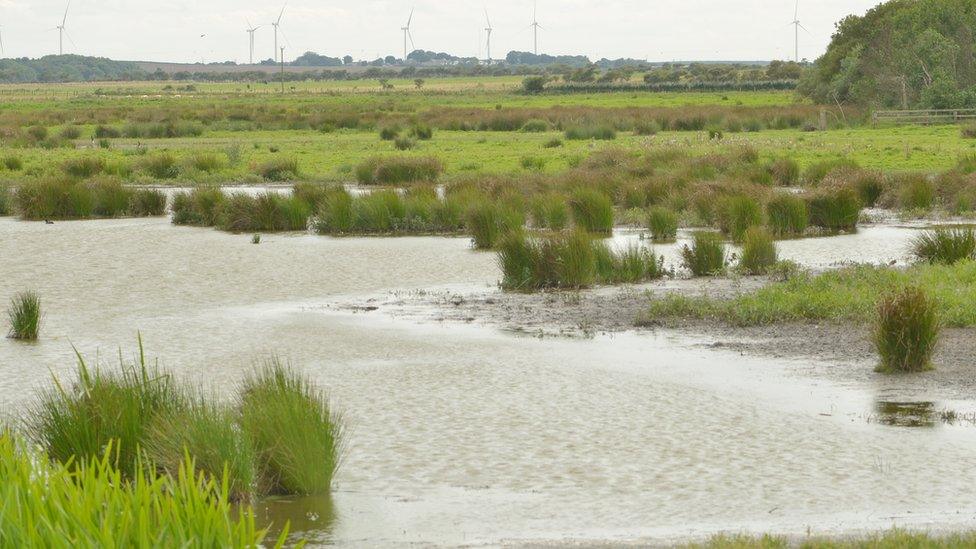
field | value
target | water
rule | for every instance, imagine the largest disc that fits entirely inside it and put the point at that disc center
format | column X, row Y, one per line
column 465, row 435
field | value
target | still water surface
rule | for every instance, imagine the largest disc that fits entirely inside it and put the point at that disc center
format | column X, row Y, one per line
column 466, row 435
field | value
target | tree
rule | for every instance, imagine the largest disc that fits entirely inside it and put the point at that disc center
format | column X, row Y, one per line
column 347, row 60
column 534, row 84
column 419, row 83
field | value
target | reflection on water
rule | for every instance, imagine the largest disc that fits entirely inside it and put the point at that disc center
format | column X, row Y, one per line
column 310, row 518
column 906, row 414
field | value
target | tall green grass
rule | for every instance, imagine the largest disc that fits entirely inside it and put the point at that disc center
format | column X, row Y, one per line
column 834, row 209
column 786, row 215
column 592, row 211
column 90, row 503
column 296, row 435
column 945, row 245
column 906, row 332
column 549, row 211
column 25, row 316
column 394, row 170
column 488, row 221
column 278, row 169
column 706, row 256
column 758, row 251
column 591, row 132
column 663, row 224
column 738, row 213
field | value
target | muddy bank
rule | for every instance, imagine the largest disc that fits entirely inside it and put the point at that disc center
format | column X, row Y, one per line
column 837, row 351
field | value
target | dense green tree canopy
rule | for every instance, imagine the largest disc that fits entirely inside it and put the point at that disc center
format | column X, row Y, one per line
column 903, row 53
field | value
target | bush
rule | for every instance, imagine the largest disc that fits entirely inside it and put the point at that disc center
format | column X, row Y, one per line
column 907, row 331
column 161, row 166
column 297, row 437
column 758, row 251
column 836, row 209
column 738, row 213
column 785, row 172
column 534, row 84
column 592, row 211
column 945, row 246
column 706, row 255
column 147, row 203
column 278, row 169
column 488, row 221
column 393, row 170
column 25, row 316
column 582, row 133
column 83, row 167
column 787, row 215
column 663, row 224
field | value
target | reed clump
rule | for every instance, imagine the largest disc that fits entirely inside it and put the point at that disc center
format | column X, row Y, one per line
column 906, row 331
column 663, row 223
column 25, row 316
column 394, row 170
column 945, row 246
column 758, row 251
column 786, row 215
column 706, row 256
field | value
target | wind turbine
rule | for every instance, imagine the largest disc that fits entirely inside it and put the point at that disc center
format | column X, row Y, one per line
column 61, row 30
column 488, row 30
column 407, row 35
column 277, row 24
column 796, row 27
column 535, row 28
column 1, row 44
column 250, row 31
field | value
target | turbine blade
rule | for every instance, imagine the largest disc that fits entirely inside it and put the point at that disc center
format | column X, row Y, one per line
column 69, row 38
column 796, row 12
column 66, row 8
column 410, row 36
column 1, row 44
column 535, row 10
column 804, row 28
column 409, row 19
column 249, row 25
column 487, row 18
column 282, row 14
column 288, row 42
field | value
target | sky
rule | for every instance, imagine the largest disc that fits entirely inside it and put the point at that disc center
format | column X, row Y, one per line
column 214, row 30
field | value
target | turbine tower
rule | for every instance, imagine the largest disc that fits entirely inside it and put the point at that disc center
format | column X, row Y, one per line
column 535, row 28
column 250, row 31
column 277, row 24
column 407, row 36
column 61, row 29
column 796, row 27
column 488, row 30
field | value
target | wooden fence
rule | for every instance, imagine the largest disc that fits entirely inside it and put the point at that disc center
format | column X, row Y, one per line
column 932, row 116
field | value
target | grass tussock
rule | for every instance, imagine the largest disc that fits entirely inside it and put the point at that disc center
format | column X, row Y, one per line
column 834, row 209
column 395, row 170
column 47, row 503
column 787, row 216
column 570, row 260
column 663, row 224
column 24, row 314
column 487, row 222
column 592, row 211
column 758, row 251
column 736, row 214
column 945, row 246
column 706, row 256
column 297, row 437
column 278, row 169
column 906, row 331
column 591, row 132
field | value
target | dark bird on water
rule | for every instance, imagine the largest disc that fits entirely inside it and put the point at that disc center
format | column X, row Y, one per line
column 48, row 222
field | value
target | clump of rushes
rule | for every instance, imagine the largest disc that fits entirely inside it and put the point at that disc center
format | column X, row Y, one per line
column 758, row 251
column 147, row 203
column 488, row 221
column 422, row 132
column 161, row 166
column 549, row 211
column 786, row 215
column 916, row 193
column 834, row 209
column 48, row 503
column 278, row 169
column 393, row 170
column 201, row 206
column 785, row 172
column 870, row 186
column 5, row 207
column 83, row 167
column 78, row 421
column 592, row 211
column 585, row 133
column 25, row 316
column 906, row 331
column 945, row 246
column 738, row 213
column 706, row 255
column 389, row 133
column 206, row 162
column 210, row 435
column 663, row 224
column 570, row 260
column 335, row 213
column 297, row 437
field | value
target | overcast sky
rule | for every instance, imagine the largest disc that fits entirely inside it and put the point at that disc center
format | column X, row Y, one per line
column 658, row 30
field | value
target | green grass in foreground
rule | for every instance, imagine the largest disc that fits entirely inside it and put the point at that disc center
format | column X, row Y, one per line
column 849, row 294
column 892, row 539
column 89, row 503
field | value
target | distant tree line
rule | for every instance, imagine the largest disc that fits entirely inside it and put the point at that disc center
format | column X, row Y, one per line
column 67, row 68
column 904, row 53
